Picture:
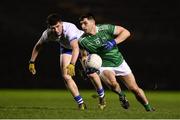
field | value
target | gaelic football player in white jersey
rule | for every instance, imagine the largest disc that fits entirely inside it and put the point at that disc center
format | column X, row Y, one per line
column 67, row 34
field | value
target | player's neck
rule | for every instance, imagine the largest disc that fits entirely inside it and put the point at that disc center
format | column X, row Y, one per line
column 94, row 30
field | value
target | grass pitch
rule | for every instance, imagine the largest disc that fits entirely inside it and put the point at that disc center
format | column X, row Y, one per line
column 59, row 104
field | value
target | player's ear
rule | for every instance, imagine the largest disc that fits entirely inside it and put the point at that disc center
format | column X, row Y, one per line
column 93, row 21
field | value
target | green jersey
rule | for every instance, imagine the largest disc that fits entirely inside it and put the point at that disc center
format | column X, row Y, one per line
column 94, row 44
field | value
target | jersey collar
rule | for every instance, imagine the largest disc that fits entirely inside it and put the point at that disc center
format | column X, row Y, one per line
column 97, row 29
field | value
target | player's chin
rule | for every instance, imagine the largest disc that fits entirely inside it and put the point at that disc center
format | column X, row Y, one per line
column 85, row 30
column 58, row 33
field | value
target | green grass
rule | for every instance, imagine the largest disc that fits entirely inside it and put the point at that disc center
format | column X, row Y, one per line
column 59, row 104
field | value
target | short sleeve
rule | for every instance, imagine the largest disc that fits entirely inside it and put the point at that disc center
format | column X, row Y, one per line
column 108, row 28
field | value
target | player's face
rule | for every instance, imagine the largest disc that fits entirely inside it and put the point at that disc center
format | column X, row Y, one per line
column 87, row 25
column 57, row 28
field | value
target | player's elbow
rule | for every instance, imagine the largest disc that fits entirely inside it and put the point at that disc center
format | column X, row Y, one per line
column 127, row 33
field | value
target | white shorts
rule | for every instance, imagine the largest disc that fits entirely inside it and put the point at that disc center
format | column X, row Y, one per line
column 121, row 70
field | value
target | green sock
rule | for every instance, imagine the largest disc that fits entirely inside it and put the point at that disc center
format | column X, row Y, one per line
column 121, row 94
column 147, row 107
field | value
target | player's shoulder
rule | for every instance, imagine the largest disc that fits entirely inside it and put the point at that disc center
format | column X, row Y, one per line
column 107, row 28
column 69, row 27
column 83, row 37
column 46, row 33
column 68, row 24
column 104, row 26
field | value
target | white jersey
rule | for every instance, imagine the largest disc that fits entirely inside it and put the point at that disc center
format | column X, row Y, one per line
column 70, row 32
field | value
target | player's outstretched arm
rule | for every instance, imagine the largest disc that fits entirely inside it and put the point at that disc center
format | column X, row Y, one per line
column 121, row 33
column 34, row 54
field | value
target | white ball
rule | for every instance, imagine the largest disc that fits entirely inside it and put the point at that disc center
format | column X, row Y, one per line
column 94, row 61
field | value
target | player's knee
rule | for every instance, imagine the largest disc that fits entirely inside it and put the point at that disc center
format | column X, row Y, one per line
column 108, row 73
column 68, row 80
column 92, row 75
column 114, row 84
column 66, row 77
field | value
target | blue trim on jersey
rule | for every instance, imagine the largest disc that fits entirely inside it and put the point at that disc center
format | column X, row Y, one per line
column 73, row 39
column 66, row 51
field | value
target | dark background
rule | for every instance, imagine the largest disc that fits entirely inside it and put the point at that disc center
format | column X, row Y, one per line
column 151, row 51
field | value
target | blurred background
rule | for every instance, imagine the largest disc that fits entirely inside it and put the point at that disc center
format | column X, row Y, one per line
column 151, row 51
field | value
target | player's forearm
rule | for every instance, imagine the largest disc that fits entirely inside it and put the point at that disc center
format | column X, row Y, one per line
column 75, row 54
column 35, row 52
column 34, row 55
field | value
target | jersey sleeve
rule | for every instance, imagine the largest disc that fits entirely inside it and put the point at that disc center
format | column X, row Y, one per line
column 110, row 28
column 44, row 37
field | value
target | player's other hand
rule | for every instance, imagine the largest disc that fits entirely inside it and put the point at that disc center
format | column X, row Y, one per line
column 108, row 45
column 32, row 67
column 71, row 69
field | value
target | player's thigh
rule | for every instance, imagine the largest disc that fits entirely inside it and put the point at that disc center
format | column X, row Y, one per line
column 65, row 60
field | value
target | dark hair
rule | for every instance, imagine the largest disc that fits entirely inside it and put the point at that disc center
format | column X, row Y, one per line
column 89, row 16
column 53, row 18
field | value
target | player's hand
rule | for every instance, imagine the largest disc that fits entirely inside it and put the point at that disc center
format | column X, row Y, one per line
column 71, row 69
column 109, row 44
column 32, row 67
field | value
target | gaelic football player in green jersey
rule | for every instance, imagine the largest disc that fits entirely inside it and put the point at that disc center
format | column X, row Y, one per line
column 102, row 39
